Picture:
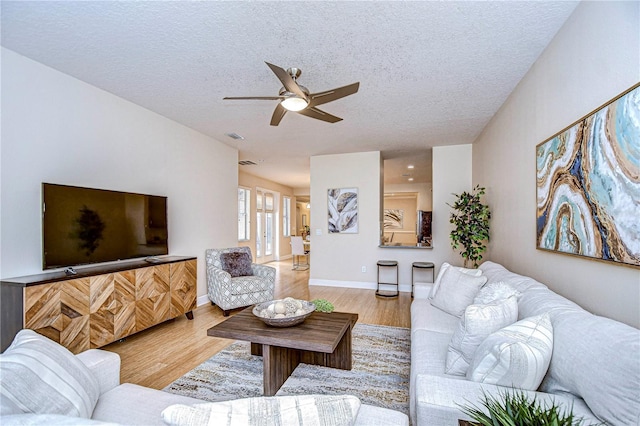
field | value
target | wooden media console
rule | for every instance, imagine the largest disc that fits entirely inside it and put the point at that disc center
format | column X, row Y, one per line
column 100, row 304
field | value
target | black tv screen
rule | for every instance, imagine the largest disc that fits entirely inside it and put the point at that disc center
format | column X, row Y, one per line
column 83, row 225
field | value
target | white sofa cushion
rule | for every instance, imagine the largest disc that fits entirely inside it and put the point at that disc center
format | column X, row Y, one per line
column 597, row 359
column 537, row 301
column 495, row 291
column 496, row 272
column 428, row 354
column 137, row 405
column 438, row 400
column 515, row 356
column 477, row 322
column 427, row 317
column 319, row 410
column 429, row 348
column 443, row 269
column 456, row 291
column 369, row 415
column 40, row 376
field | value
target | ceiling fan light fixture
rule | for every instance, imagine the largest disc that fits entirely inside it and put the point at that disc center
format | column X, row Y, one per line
column 294, row 103
column 297, row 98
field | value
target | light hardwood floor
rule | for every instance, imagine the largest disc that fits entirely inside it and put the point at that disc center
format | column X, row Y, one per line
column 158, row 356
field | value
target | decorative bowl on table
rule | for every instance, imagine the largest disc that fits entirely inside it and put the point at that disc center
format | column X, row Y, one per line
column 284, row 312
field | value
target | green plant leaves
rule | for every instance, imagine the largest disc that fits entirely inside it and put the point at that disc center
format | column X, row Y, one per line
column 471, row 220
column 516, row 409
column 323, row 305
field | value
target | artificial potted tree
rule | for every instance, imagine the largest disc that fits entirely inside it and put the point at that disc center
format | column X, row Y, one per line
column 470, row 218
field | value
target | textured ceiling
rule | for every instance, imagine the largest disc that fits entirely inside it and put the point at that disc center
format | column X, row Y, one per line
column 430, row 73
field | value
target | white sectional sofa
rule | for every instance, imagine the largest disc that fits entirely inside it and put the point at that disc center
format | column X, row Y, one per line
column 594, row 366
column 42, row 383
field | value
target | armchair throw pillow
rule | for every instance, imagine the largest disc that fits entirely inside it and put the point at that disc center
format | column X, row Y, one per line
column 517, row 356
column 238, row 264
column 478, row 322
column 457, row 290
column 40, row 376
column 443, row 268
column 320, row 410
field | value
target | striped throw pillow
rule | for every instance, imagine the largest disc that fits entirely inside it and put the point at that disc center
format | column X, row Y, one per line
column 37, row 375
column 317, row 410
column 515, row 356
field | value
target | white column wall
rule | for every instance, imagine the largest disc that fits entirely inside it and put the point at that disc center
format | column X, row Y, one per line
column 337, row 259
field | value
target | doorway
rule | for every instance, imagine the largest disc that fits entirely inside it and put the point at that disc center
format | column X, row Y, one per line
column 303, row 216
column 265, row 225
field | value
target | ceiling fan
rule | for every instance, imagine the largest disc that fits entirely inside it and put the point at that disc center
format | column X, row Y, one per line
column 295, row 97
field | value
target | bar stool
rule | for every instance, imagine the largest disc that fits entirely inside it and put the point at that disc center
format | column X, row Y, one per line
column 421, row 265
column 388, row 264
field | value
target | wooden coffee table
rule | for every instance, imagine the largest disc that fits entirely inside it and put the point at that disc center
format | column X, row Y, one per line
column 322, row 339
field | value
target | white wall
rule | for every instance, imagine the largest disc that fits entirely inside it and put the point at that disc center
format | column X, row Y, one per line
column 424, row 191
column 58, row 129
column 593, row 58
column 451, row 175
column 337, row 259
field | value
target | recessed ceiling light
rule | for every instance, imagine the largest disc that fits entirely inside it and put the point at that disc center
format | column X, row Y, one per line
column 410, row 166
column 234, row 136
column 410, row 179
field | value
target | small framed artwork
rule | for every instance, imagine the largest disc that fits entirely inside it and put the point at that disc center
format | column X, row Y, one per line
column 342, row 210
column 393, row 219
column 588, row 185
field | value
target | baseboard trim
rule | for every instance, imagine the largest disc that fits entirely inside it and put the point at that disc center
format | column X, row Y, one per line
column 355, row 284
column 202, row 300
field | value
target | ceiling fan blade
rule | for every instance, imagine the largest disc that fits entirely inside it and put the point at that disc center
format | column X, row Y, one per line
column 278, row 113
column 319, row 115
column 261, row 98
column 333, row 94
column 288, row 82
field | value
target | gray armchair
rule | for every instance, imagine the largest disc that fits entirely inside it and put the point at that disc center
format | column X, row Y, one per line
column 234, row 292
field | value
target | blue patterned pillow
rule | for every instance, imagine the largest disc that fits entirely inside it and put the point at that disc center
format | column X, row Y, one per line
column 238, row 264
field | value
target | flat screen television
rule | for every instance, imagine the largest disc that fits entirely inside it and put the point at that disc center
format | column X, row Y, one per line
column 82, row 225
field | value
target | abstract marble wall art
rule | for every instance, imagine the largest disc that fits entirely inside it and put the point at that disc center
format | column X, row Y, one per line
column 588, row 184
column 393, row 219
column 343, row 210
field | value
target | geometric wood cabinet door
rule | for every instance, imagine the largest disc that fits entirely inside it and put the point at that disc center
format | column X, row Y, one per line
column 112, row 307
column 60, row 311
column 153, row 296
column 184, row 292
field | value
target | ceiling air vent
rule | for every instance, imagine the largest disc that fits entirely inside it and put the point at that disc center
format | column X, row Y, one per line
column 246, row 163
column 235, row 136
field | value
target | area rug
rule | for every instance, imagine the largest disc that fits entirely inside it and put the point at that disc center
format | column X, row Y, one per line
column 380, row 373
